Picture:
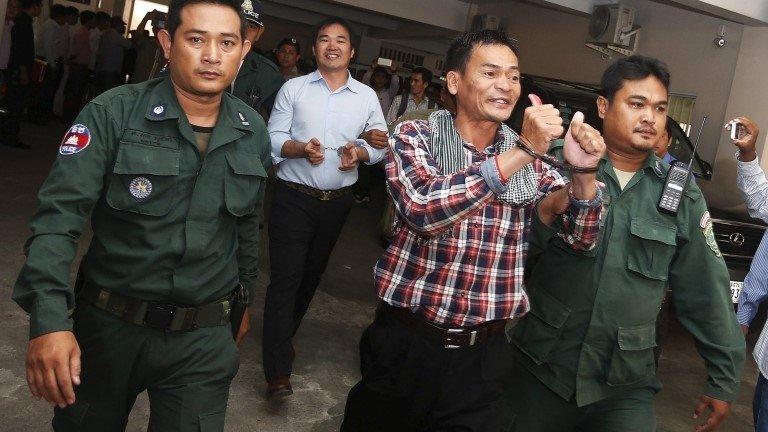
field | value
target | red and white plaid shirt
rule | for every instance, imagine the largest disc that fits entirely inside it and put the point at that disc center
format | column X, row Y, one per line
column 458, row 253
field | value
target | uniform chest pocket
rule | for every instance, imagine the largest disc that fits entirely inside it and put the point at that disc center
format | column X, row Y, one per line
column 145, row 179
column 632, row 360
column 652, row 245
column 242, row 183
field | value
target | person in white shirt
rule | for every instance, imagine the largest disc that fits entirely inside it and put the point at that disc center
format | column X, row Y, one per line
column 415, row 99
column 754, row 186
column 52, row 43
column 314, row 128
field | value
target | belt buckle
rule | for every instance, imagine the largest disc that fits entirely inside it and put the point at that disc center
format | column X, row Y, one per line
column 325, row 195
column 472, row 338
column 159, row 315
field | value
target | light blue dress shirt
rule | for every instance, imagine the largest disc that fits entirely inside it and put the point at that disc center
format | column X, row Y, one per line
column 306, row 108
column 753, row 184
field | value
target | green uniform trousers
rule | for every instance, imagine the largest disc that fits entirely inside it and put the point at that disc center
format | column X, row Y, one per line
column 539, row 409
column 186, row 374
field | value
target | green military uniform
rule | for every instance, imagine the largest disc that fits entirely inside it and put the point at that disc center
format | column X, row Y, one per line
column 170, row 224
column 586, row 347
column 257, row 83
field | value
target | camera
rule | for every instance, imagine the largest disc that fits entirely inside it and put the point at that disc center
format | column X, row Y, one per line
column 159, row 19
column 719, row 41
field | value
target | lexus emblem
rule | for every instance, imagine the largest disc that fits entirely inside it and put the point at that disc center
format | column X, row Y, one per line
column 736, row 239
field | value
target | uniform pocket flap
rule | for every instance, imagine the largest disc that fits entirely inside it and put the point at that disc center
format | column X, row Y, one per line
column 140, row 159
column 246, row 164
column 637, row 338
column 549, row 309
column 652, row 230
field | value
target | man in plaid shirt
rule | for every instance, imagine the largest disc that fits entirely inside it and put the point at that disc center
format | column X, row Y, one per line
column 436, row 356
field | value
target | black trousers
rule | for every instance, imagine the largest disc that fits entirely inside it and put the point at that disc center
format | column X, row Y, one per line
column 413, row 383
column 17, row 100
column 302, row 233
column 48, row 90
column 73, row 91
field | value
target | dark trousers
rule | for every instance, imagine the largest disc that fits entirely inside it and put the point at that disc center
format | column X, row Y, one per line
column 16, row 101
column 74, row 90
column 48, row 90
column 302, row 233
column 414, row 383
column 187, row 375
column 539, row 409
column 108, row 80
column 760, row 404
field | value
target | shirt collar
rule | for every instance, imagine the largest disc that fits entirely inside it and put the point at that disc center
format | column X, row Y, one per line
column 352, row 84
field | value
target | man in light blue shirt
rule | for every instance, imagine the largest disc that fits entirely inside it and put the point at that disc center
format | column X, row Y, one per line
column 314, row 129
column 753, row 184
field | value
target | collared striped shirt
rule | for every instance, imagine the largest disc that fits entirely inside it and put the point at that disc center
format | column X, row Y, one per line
column 458, row 252
column 753, row 184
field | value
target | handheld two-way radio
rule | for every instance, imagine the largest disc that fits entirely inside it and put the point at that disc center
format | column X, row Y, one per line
column 677, row 180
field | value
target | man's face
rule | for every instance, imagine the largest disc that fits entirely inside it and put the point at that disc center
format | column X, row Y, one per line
column 636, row 117
column 662, row 144
column 253, row 31
column 418, row 85
column 333, row 49
column 489, row 87
column 36, row 10
column 206, row 50
column 287, row 56
column 71, row 19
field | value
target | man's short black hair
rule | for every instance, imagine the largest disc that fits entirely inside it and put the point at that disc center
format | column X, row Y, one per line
column 102, row 17
column 174, row 13
column 26, row 4
column 58, row 10
column 329, row 22
column 86, row 17
column 632, row 68
column 72, row 11
column 461, row 48
column 426, row 74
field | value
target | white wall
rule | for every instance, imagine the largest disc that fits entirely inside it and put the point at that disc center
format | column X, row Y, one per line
column 552, row 45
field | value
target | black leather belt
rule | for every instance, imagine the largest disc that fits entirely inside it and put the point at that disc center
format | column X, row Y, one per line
column 322, row 195
column 158, row 315
column 450, row 338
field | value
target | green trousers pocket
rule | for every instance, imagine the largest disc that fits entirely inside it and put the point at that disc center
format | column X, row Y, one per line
column 212, row 422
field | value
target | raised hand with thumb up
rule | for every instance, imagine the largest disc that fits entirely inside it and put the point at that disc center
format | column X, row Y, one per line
column 541, row 124
column 584, row 146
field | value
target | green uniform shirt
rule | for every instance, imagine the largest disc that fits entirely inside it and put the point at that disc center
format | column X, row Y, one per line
column 592, row 326
column 257, row 83
column 168, row 225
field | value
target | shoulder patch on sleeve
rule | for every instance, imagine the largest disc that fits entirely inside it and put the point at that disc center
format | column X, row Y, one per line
column 75, row 140
column 709, row 233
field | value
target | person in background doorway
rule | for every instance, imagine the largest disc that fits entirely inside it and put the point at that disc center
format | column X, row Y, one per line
column 384, row 82
column 415, row 99
column 5, row 47
column 288, row 54
column 149, row 56
column 20, row 62
column 666, row 138
column 80, row 55
column 53, row 46
column 753, row 185
column 110, row 55
column 258, row 79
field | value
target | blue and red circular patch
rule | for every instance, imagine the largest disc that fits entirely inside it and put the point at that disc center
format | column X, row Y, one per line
column 76, row 140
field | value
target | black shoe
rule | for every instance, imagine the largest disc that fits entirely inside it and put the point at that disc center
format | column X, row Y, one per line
column 279, row 388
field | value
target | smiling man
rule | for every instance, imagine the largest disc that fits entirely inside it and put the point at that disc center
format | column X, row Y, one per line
column 314, row 128
column 171, row 174
column 586, row 350
column 466, row 193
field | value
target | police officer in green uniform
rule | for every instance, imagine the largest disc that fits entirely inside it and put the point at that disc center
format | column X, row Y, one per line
column 171, row 173
column 259, row 79
column 585, row 357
